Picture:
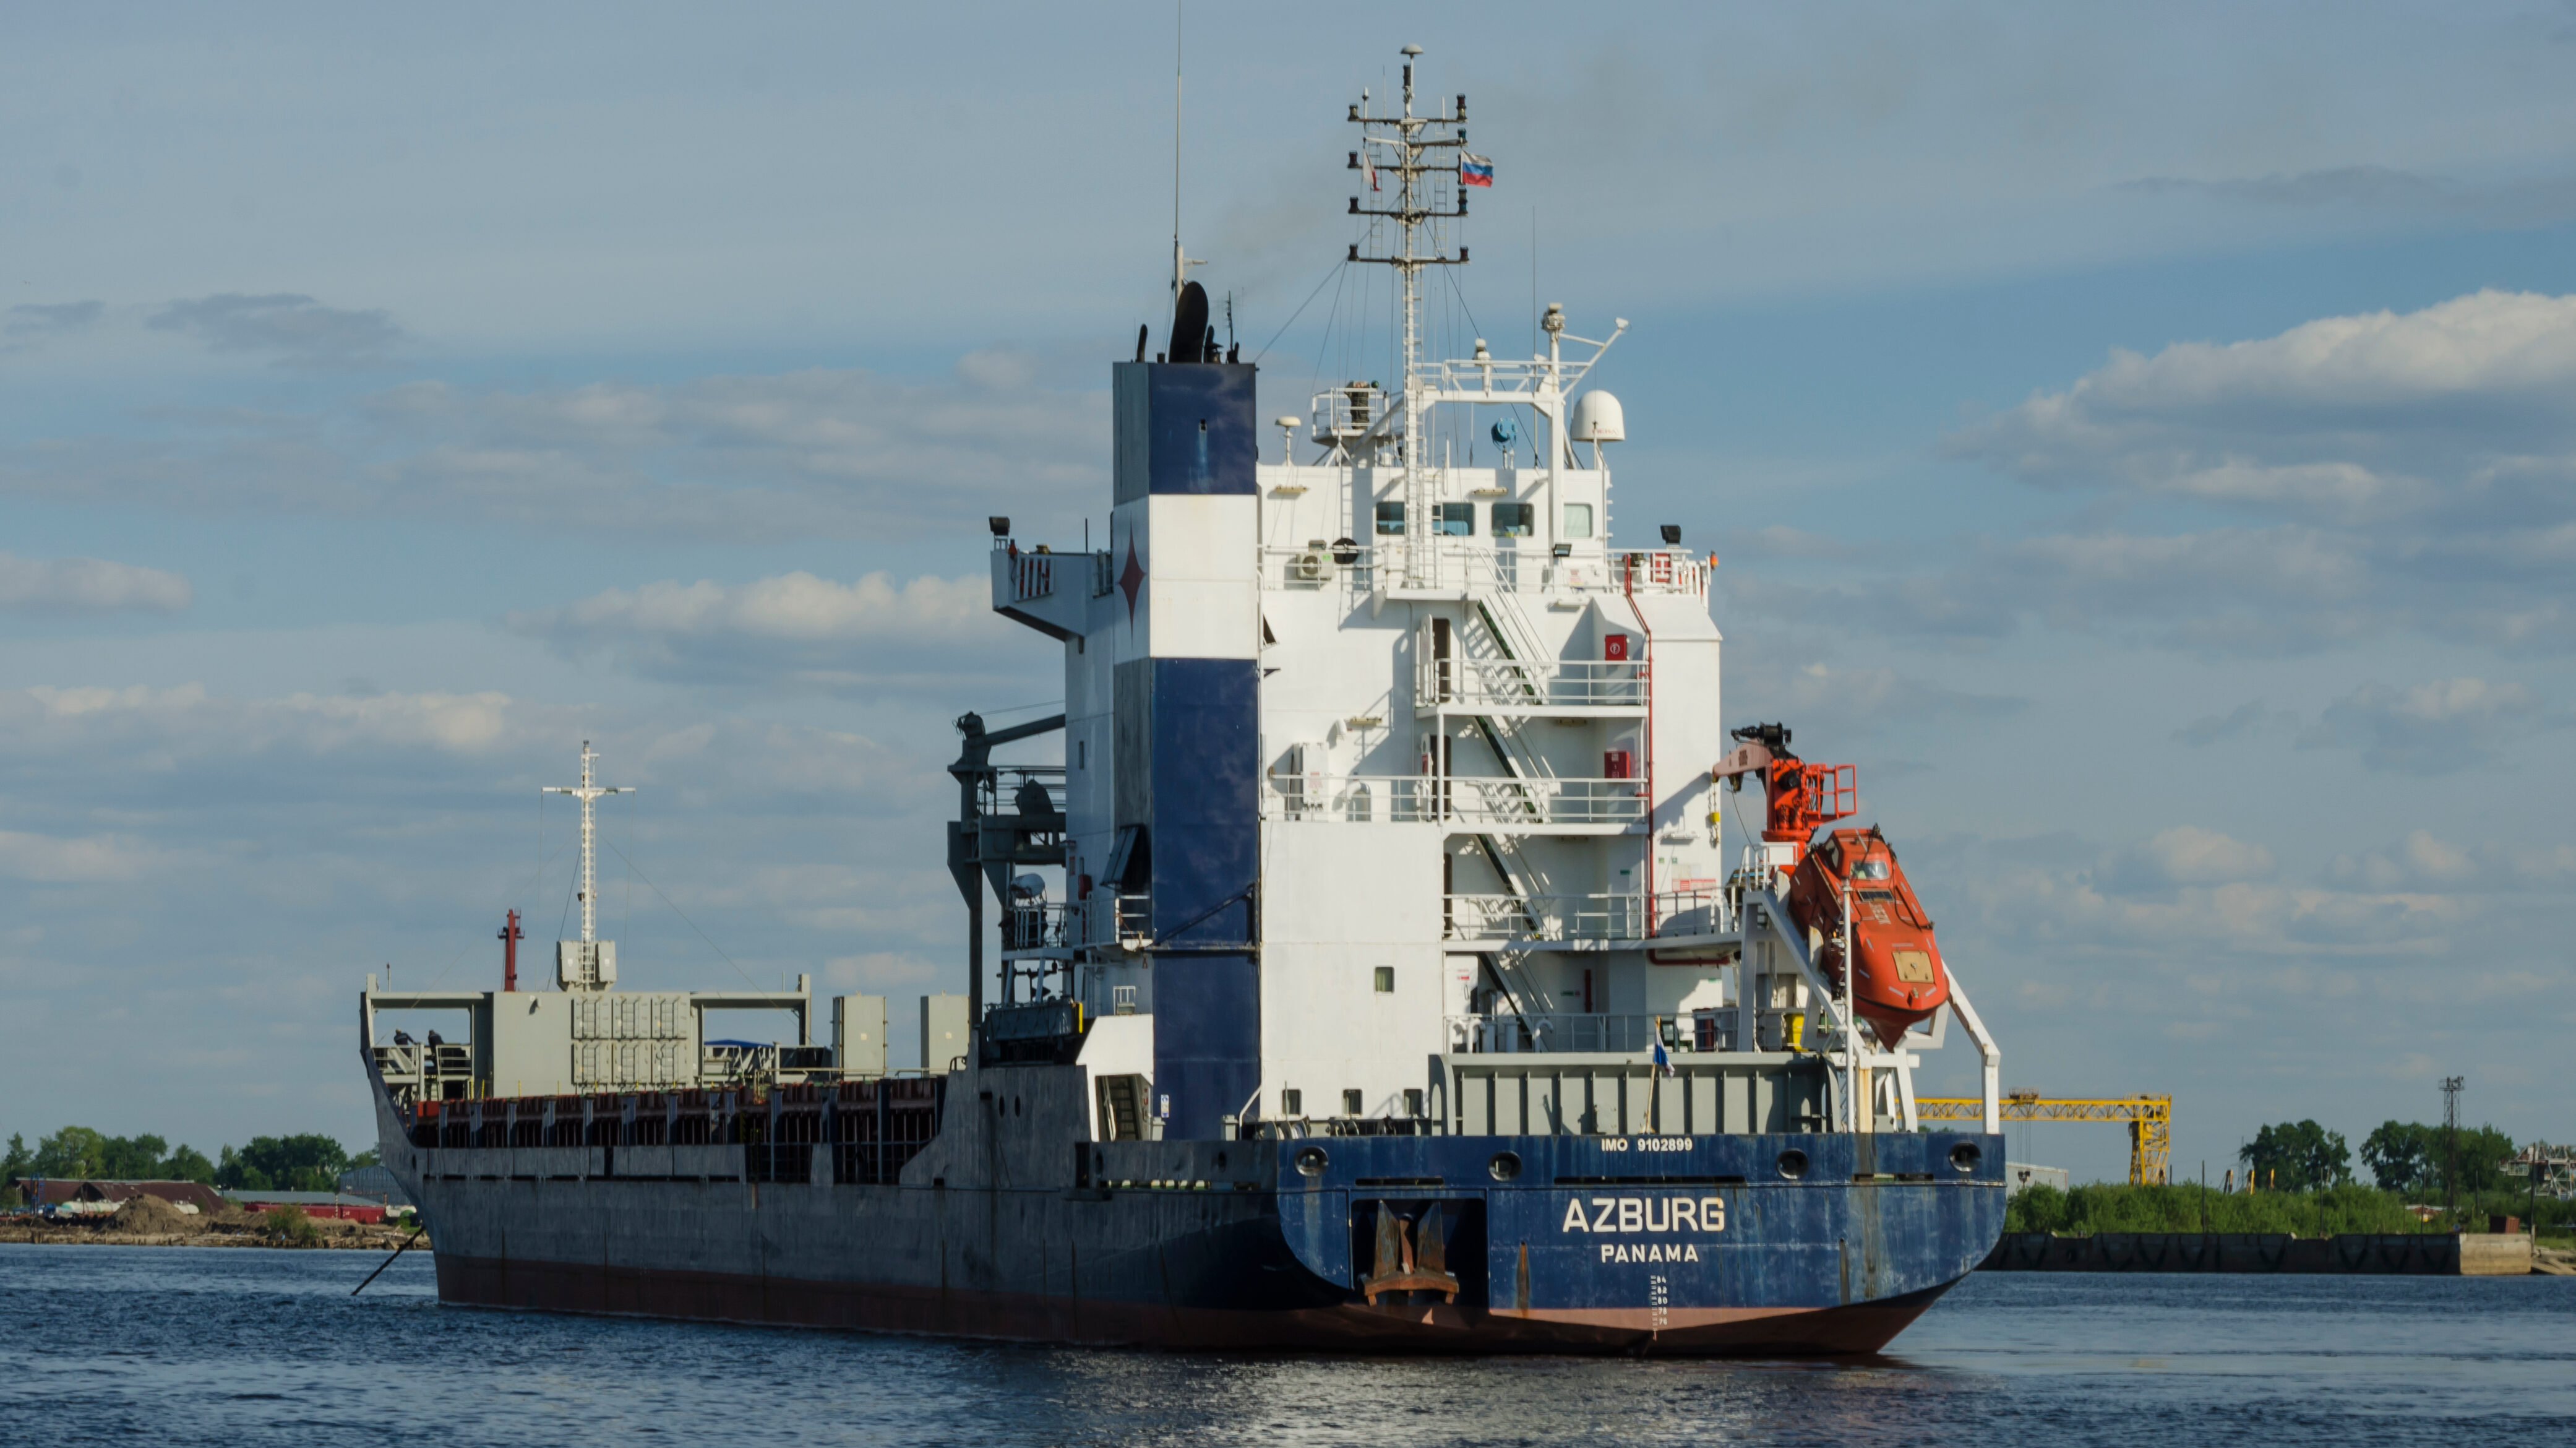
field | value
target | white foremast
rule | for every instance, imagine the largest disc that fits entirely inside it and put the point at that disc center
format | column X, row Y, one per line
column 585, row 972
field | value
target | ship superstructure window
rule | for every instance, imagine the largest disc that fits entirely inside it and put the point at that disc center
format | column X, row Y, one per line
column 1390, row 519
column 1292, row 1103
column 1578, row 521
column 1413, row 1101
column 1515, row 520
column 1386, row 980
column 1456, row 520
column 1351, row 1103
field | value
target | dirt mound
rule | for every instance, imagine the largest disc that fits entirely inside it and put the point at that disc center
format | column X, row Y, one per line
column 151, row 1214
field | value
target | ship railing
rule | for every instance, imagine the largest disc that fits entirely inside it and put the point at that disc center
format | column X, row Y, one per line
column 1101, row 918
column 1033, row 572
column 1318, row 563
column 1045, row 925
column 1350, row 798
column 1525, row 683
column 1537, row 1031
column 1511, row 1033
column 1507, row 803
column 1660, row 570
column 1584, row 917
column 1462, row 563
column 1019, row 789
column 1489, row 800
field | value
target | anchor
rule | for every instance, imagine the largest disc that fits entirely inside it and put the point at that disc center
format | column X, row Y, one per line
column 1400, row 1267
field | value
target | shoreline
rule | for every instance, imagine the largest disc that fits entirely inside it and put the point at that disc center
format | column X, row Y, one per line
column 358, row 1240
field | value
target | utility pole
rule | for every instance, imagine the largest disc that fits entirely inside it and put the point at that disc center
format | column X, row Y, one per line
column 2451, row 1148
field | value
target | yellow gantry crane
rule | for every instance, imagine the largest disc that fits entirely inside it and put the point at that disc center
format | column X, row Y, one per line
column 2150, row 1121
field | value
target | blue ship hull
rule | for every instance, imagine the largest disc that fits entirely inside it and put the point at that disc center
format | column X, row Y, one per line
column 1640, row 1244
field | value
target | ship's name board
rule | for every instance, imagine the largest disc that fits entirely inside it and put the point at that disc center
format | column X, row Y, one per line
column 1663, row 1214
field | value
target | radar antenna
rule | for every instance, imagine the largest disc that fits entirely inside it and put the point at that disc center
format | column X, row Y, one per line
column 1407, row 139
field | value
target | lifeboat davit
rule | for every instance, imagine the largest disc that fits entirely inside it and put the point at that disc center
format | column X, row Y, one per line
column 1897, row 977
column 1898, row 980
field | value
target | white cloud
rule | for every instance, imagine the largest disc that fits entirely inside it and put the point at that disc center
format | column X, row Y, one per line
column 793, row 628
column 2385, row 472
column 88, row 585
column 2345, row 418
column 186, row 720
column 2432, row 728
column 293, row 328
column 838, row 453
column 50, row 319
column 2236, row 723
column 2190, row 855
column 88, row 860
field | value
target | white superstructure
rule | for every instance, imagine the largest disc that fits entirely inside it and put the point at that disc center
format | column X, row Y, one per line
column 1483, row 729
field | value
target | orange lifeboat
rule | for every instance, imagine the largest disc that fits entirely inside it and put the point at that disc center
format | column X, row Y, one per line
column 1897, row 980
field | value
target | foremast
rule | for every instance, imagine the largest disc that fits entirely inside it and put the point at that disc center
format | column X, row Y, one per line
column 587, row 964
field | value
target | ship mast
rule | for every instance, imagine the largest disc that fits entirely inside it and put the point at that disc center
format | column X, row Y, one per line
column 588, row 792
column 1409, row 137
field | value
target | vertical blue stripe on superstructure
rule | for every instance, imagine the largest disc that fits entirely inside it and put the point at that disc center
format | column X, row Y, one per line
column 1206, row 856
column 1201, row 433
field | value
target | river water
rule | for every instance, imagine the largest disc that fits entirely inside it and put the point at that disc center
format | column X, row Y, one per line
column 253, row 1347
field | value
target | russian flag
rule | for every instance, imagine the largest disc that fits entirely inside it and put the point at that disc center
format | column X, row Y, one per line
column 1474, row 170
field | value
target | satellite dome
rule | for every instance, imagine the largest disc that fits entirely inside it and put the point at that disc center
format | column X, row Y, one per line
column 1597, row 418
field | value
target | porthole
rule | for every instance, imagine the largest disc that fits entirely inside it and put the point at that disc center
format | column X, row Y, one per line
column 1966, row 1157
column 1793, row 1164
column 1505, row 1166
column 1312, row 1161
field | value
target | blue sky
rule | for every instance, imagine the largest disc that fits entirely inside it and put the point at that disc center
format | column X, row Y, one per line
column 2138, row 437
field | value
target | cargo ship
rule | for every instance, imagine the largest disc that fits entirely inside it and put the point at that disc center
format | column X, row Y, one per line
column 1370, row 969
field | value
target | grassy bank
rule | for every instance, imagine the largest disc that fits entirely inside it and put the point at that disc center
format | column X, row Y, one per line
column 2190, row 1207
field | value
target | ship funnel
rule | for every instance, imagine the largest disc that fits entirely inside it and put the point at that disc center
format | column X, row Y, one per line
column 1190, row 325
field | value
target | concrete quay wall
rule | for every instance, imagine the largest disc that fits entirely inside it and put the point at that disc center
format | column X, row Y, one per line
column 2424, row 1254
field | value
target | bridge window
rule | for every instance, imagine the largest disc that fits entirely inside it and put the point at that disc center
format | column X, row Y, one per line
column 1390, row 519
column 1578, row 521
column 1456, row 520
column 1515, row 520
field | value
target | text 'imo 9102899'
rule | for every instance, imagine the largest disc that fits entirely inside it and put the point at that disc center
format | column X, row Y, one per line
column 1368, row 974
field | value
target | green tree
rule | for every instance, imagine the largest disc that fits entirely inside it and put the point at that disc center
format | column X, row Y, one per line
column 2403, row 1156
column 20, row 1161
column 187, row 1164
column 2482, row 1153
column 2036, row 1208
column 74, row 1151
column 131, row 1158
column 2297, row 1156
column 308, row 1163
column 234, row 1174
